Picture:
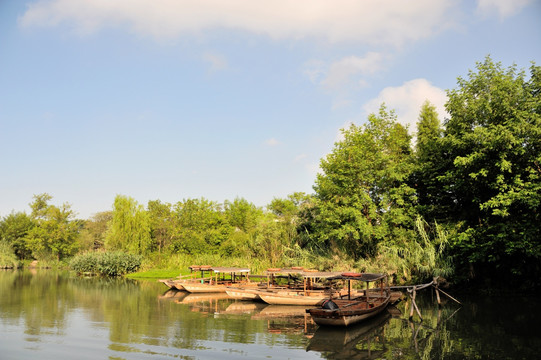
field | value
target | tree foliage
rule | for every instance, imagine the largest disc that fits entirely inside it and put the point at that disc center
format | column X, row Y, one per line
column 161, row 224
column 490, row 173
column 55, row 232
column 14, row 229
column 200, row 226
column 92, row 235
column 362, row 196
column 129, row 227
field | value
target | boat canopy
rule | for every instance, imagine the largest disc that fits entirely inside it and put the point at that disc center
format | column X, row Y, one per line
column 366, row 277
column 229, row 270
column 311, row 274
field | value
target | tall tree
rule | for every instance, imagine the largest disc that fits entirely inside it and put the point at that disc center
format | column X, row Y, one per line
column 130, row 229
column 55, row 233
column 200, row 226
column 362, row 196
column 161, row 223
column 492, row 175
column 429, row 160
column 242, row 214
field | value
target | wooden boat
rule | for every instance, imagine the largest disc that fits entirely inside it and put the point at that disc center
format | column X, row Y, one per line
column 352, row 342
column 170, row 283
column 354, row 309
column 222, row 278
column 242, row 293
column 302, row 287
column 176, row 283
column 291, row 297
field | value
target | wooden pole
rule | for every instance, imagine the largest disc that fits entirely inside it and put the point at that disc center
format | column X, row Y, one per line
column 414, row 305
column 452, row 298
column 411, row 308
column 437, row 295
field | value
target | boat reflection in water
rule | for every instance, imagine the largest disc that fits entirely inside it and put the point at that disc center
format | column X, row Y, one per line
column 173, row 295
column 360, row 341
column 286, row 319
column 243, row 307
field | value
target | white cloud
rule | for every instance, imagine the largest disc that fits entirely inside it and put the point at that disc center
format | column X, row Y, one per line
column 345, row 75
column 504, row 8
column 344, row 70
column 407, row 100
column 391, row 22
column 272, row 142
column 217, row 61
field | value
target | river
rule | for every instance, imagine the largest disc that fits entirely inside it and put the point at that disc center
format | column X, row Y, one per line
column 47, row 314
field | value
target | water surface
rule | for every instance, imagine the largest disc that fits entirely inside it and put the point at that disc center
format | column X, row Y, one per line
column 52, row 315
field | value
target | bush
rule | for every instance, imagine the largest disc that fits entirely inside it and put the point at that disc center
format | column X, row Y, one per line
column 8, row 260
column 106, row 263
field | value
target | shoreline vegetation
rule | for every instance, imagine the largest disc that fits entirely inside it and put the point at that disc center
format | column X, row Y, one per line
column 460, row 198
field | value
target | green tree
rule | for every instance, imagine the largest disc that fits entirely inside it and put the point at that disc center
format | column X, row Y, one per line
column 161, row 223
column 362, row 196
column 55, row 232
column 13, row 229
column 491, row 178
column 429, row 161
column 92, row 236
column 200, row 227
column 242, row 214
column 271, row 240
column 129, row 228
column 287, row 212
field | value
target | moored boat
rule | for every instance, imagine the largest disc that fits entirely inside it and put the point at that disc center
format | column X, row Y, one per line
column 304, row 298
column 176, row 283
column 354, row 309
column 308, row 293
column 242, row 293
column 222, row 278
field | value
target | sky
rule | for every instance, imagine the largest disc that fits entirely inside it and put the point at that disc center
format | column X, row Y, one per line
column 178, row 99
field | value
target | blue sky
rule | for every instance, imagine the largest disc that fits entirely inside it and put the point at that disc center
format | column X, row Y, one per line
column 176, row 99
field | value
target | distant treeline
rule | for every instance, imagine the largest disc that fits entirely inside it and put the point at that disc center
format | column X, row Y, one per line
column 461, row 199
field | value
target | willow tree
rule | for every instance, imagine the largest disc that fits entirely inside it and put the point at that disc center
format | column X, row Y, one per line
column 361, row 196
column 129, row 227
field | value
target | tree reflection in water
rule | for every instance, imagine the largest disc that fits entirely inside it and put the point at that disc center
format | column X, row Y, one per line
column 49, row 314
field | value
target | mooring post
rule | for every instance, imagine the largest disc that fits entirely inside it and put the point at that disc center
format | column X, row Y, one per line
column 450, row 297
column 414, row 305
column 435, row 285
column 412, row 301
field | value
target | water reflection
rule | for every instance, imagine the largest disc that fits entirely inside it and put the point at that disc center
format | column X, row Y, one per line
column 362, row 341
column 51, row 315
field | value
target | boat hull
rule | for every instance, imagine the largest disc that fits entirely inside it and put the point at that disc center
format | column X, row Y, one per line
column 242, row 294
column 292, row 299
column 342, row 317
column 204, row 288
